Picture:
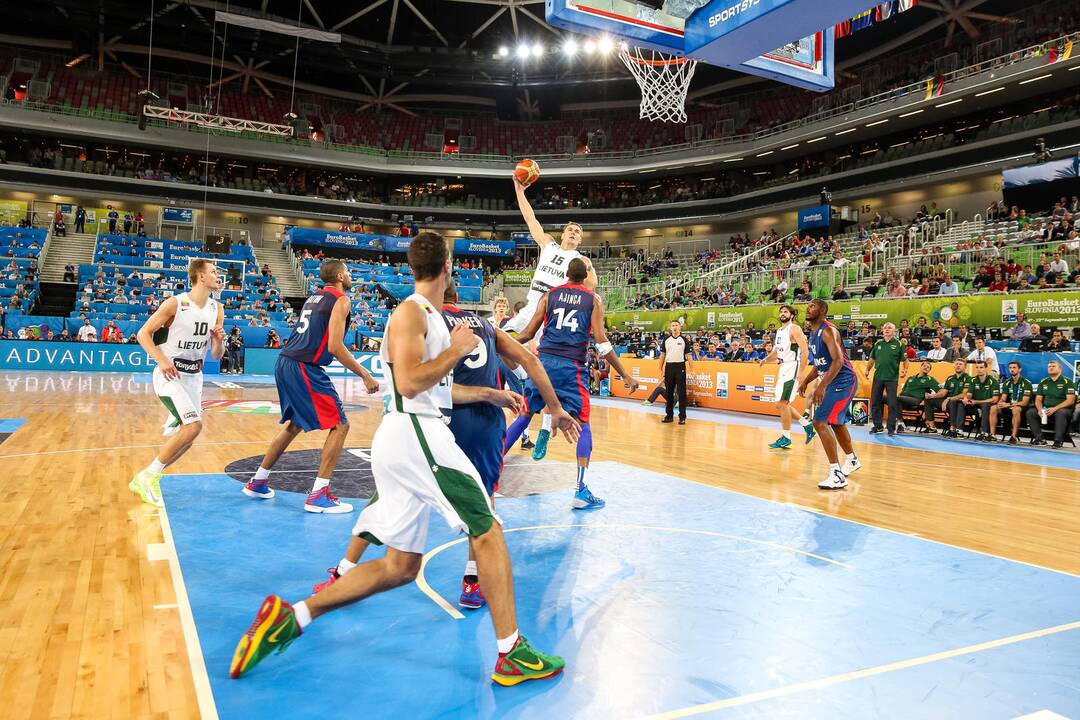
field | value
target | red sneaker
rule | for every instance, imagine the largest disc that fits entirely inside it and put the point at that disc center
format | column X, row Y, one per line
column 471, row 597
column 326, row 583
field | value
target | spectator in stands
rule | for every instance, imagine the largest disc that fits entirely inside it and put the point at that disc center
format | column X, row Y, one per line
column 64, row 335
column 937, row 353
column 80, row 219
column 59, row 228
column 965, row 338
column 948, row 287
column 113, row 217
column 87, row 333
column 838, row 294
column 983, row 352
column 984, row 392
column 997, row 284
column 1013, row 400
column 1055, row 397
column 1021, row 330
column 127, row 221
column 272, row 339
column 956, row 389
column 111, row 334
column 69, row 273
column 921, row 390
column 1059, row 267
column 1035, row 341
column 1057, row 343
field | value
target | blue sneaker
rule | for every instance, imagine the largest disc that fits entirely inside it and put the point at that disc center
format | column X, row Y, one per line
column 811, row 433
column 780, row 443
column 585, row 500
column 541, row 445
column 258, row 489
column 324, row 502
column 471, row 597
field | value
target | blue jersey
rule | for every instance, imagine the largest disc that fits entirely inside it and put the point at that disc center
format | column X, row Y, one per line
column 821, row 359
column 310, row 339
column 481, row 367
column 568, row 322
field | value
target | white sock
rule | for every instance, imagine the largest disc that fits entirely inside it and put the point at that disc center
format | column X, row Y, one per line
column 344, row 566
column 805, row 422
column 786, row 434
column 506, row 644
column 261, row 474
column 155, row 467
column 836, row 467
column 545, row 423
column 470, row 567
column 520, row 374
column 525, row 435
column 302, row 614
column 852, row 458
column 320, row 483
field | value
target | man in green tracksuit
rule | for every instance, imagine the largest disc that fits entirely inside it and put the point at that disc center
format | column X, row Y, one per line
column 885, row 363
column 984, row 393
column 1016, row 392
column 1054, row 400
column 952, row 395
column 921, row 389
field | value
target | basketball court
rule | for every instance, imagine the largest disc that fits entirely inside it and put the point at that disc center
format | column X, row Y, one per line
column 718, row 582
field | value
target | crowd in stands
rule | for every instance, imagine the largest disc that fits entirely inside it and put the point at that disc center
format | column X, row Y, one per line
column 20, row 247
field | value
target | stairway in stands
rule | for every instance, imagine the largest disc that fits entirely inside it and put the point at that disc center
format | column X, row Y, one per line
column 58, row 297
column 281, row 267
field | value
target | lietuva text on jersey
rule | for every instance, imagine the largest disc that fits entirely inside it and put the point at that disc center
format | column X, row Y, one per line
column 568, row 322
column 310, row 339
column 191, row 345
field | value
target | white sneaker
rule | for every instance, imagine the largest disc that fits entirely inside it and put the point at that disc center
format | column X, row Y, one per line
column 850, row 466
column 834, row 481
column 646, row 403
column 324, row 502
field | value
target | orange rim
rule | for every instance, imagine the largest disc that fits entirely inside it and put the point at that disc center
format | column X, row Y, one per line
column 655, row 63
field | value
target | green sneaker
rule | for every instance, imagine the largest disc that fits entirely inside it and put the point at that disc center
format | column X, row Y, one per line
column 780, row 443
column 811, row 433
column 523, row 663
column 272, row 629
column 541, row 445
column 147, row 485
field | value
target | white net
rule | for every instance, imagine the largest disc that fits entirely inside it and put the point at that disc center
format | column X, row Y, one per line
column 663, row 79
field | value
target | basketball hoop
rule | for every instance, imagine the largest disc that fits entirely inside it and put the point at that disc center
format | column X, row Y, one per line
column 663, row 79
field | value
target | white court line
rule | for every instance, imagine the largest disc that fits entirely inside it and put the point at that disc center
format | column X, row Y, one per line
column 1042, row 715
column 860, row 674
column 166, row 606
column 204, row 694
column 158, row 551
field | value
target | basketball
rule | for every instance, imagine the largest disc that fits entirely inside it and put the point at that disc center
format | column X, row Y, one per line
column 527, row 172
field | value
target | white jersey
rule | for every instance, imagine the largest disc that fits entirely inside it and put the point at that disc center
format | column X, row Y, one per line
column 187, row 337
column 787, row 350
column 436, row 340
column 550, row 271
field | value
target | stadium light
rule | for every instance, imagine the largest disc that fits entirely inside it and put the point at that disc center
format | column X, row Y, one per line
column 537, row 50
column 570, row 47
column 590, row 48
column 503, row 51
column 606, row 45
column 523, row 51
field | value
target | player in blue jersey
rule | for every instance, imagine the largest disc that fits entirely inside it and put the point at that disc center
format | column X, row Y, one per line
column 570, row 313
column 832, row 397
column 308, row 399
column 477, row 420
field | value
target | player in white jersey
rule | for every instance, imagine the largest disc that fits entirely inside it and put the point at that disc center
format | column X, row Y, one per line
column 177, row 336
column 550, row 273
column 789, row 350
column 417, row 468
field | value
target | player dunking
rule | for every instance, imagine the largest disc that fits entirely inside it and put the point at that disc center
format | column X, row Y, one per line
column 417, row 468
column 570, row 314
column 477, row 421
column 832, row 397
column 176, row 336
column 550, row 272
column 789, row 349
column 308, row 398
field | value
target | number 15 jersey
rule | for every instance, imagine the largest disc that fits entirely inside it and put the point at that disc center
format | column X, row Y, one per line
column 310, row 339
column 568, row 322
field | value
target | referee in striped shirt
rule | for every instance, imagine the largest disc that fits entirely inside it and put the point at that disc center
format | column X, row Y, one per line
column 675, row 355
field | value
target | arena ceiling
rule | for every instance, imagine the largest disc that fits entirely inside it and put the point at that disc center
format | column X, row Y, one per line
column 402, row 54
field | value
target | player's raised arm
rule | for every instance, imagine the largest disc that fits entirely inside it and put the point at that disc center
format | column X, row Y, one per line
column 405, row 346
column 336, row 343
column 534, row 324
column 604, row 348
column 516, row 354
column 162, row 317
column 536, row 230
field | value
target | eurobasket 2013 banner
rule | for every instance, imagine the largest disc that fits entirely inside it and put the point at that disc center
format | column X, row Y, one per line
column 1049, row 308
column 517, row 278
column 12, row 211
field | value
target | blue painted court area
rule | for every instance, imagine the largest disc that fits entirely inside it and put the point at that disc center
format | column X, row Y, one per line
column 676, row 597
column 10, row 425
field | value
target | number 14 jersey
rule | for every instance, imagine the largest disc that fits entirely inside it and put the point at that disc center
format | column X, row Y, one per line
column 568, row 322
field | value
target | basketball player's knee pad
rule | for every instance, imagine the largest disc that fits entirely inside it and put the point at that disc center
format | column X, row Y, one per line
column 584, row 443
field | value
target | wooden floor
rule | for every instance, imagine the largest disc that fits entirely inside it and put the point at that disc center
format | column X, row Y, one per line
column 89, row 626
